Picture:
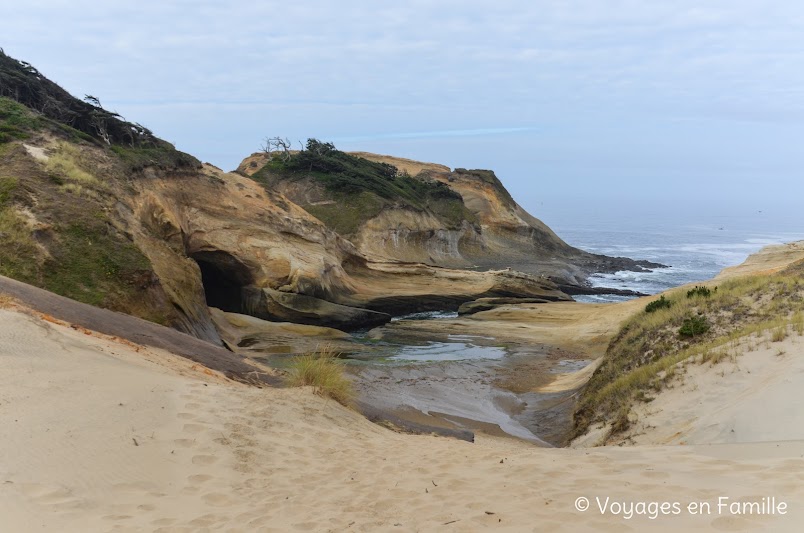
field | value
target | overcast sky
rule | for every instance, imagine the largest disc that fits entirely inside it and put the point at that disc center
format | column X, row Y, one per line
column 608, row 103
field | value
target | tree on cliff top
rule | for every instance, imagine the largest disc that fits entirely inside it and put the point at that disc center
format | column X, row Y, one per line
column 21, row 82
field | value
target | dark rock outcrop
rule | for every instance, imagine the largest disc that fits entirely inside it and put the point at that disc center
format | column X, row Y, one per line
column 272, row 305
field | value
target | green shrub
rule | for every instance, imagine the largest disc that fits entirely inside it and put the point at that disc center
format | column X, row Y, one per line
column 346, row 173
column 700, row 291
column 361, row 188
column 694, row 326
column 655, row 305
column 16, row 121
column 324, row 372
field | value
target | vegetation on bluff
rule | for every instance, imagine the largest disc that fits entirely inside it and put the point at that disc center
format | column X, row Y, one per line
column 55, row 231
column 57, row 214
column 703, row 325
column 358, row 189
column 29, row 102
column 16, row 121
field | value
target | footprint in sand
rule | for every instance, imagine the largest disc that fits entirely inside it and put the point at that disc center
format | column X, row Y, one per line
column 186, row 416
column 136, row 486
column 204, row 459
column 197, row 479
column 34, row 490
column 655, row 474
column 184, row 443
column 50, row 495
column 193, row 429
column 116, row 517
column 217, row 499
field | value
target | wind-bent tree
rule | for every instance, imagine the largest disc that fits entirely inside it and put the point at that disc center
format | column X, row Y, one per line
column 273, row 145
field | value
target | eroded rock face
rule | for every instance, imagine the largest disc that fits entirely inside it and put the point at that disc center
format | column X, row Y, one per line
column 256, row 252
column 411, row 236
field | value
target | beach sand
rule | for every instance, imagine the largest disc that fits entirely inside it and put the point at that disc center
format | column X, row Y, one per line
column 102, row 435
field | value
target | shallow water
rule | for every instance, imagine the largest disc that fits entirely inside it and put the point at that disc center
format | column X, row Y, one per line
column 406, row 351
column 426, row 315
column 447, row 351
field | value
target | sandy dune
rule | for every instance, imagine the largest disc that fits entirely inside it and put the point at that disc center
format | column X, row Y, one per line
column 753, row 396
column 106, row 436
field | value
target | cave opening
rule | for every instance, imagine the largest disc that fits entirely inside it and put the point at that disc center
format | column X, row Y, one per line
column 223, row 278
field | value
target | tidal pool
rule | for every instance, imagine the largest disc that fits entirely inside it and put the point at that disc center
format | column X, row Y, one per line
column 446, row 351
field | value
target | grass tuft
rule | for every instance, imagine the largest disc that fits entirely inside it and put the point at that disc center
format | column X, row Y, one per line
column 323, row 371
column 798, row 323
column 19, row 253
column 779, row 334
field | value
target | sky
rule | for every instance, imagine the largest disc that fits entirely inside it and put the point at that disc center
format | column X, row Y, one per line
column 618, row 107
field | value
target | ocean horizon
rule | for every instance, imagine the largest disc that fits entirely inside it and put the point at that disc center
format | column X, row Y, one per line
column 696, row 247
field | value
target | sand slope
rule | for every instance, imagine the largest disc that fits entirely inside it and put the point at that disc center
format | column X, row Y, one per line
column 753, row 396
column 220, row 456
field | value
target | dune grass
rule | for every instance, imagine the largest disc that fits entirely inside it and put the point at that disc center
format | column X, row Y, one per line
column 65, row 165
column 653, row 344
column 323, row 371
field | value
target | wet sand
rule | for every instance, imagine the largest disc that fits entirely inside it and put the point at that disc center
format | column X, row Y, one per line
column 493, row 396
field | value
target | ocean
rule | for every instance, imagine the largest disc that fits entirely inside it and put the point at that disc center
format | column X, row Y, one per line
column 695, row 248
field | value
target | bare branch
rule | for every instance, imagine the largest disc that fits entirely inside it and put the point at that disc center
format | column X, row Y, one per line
column 273, row 145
